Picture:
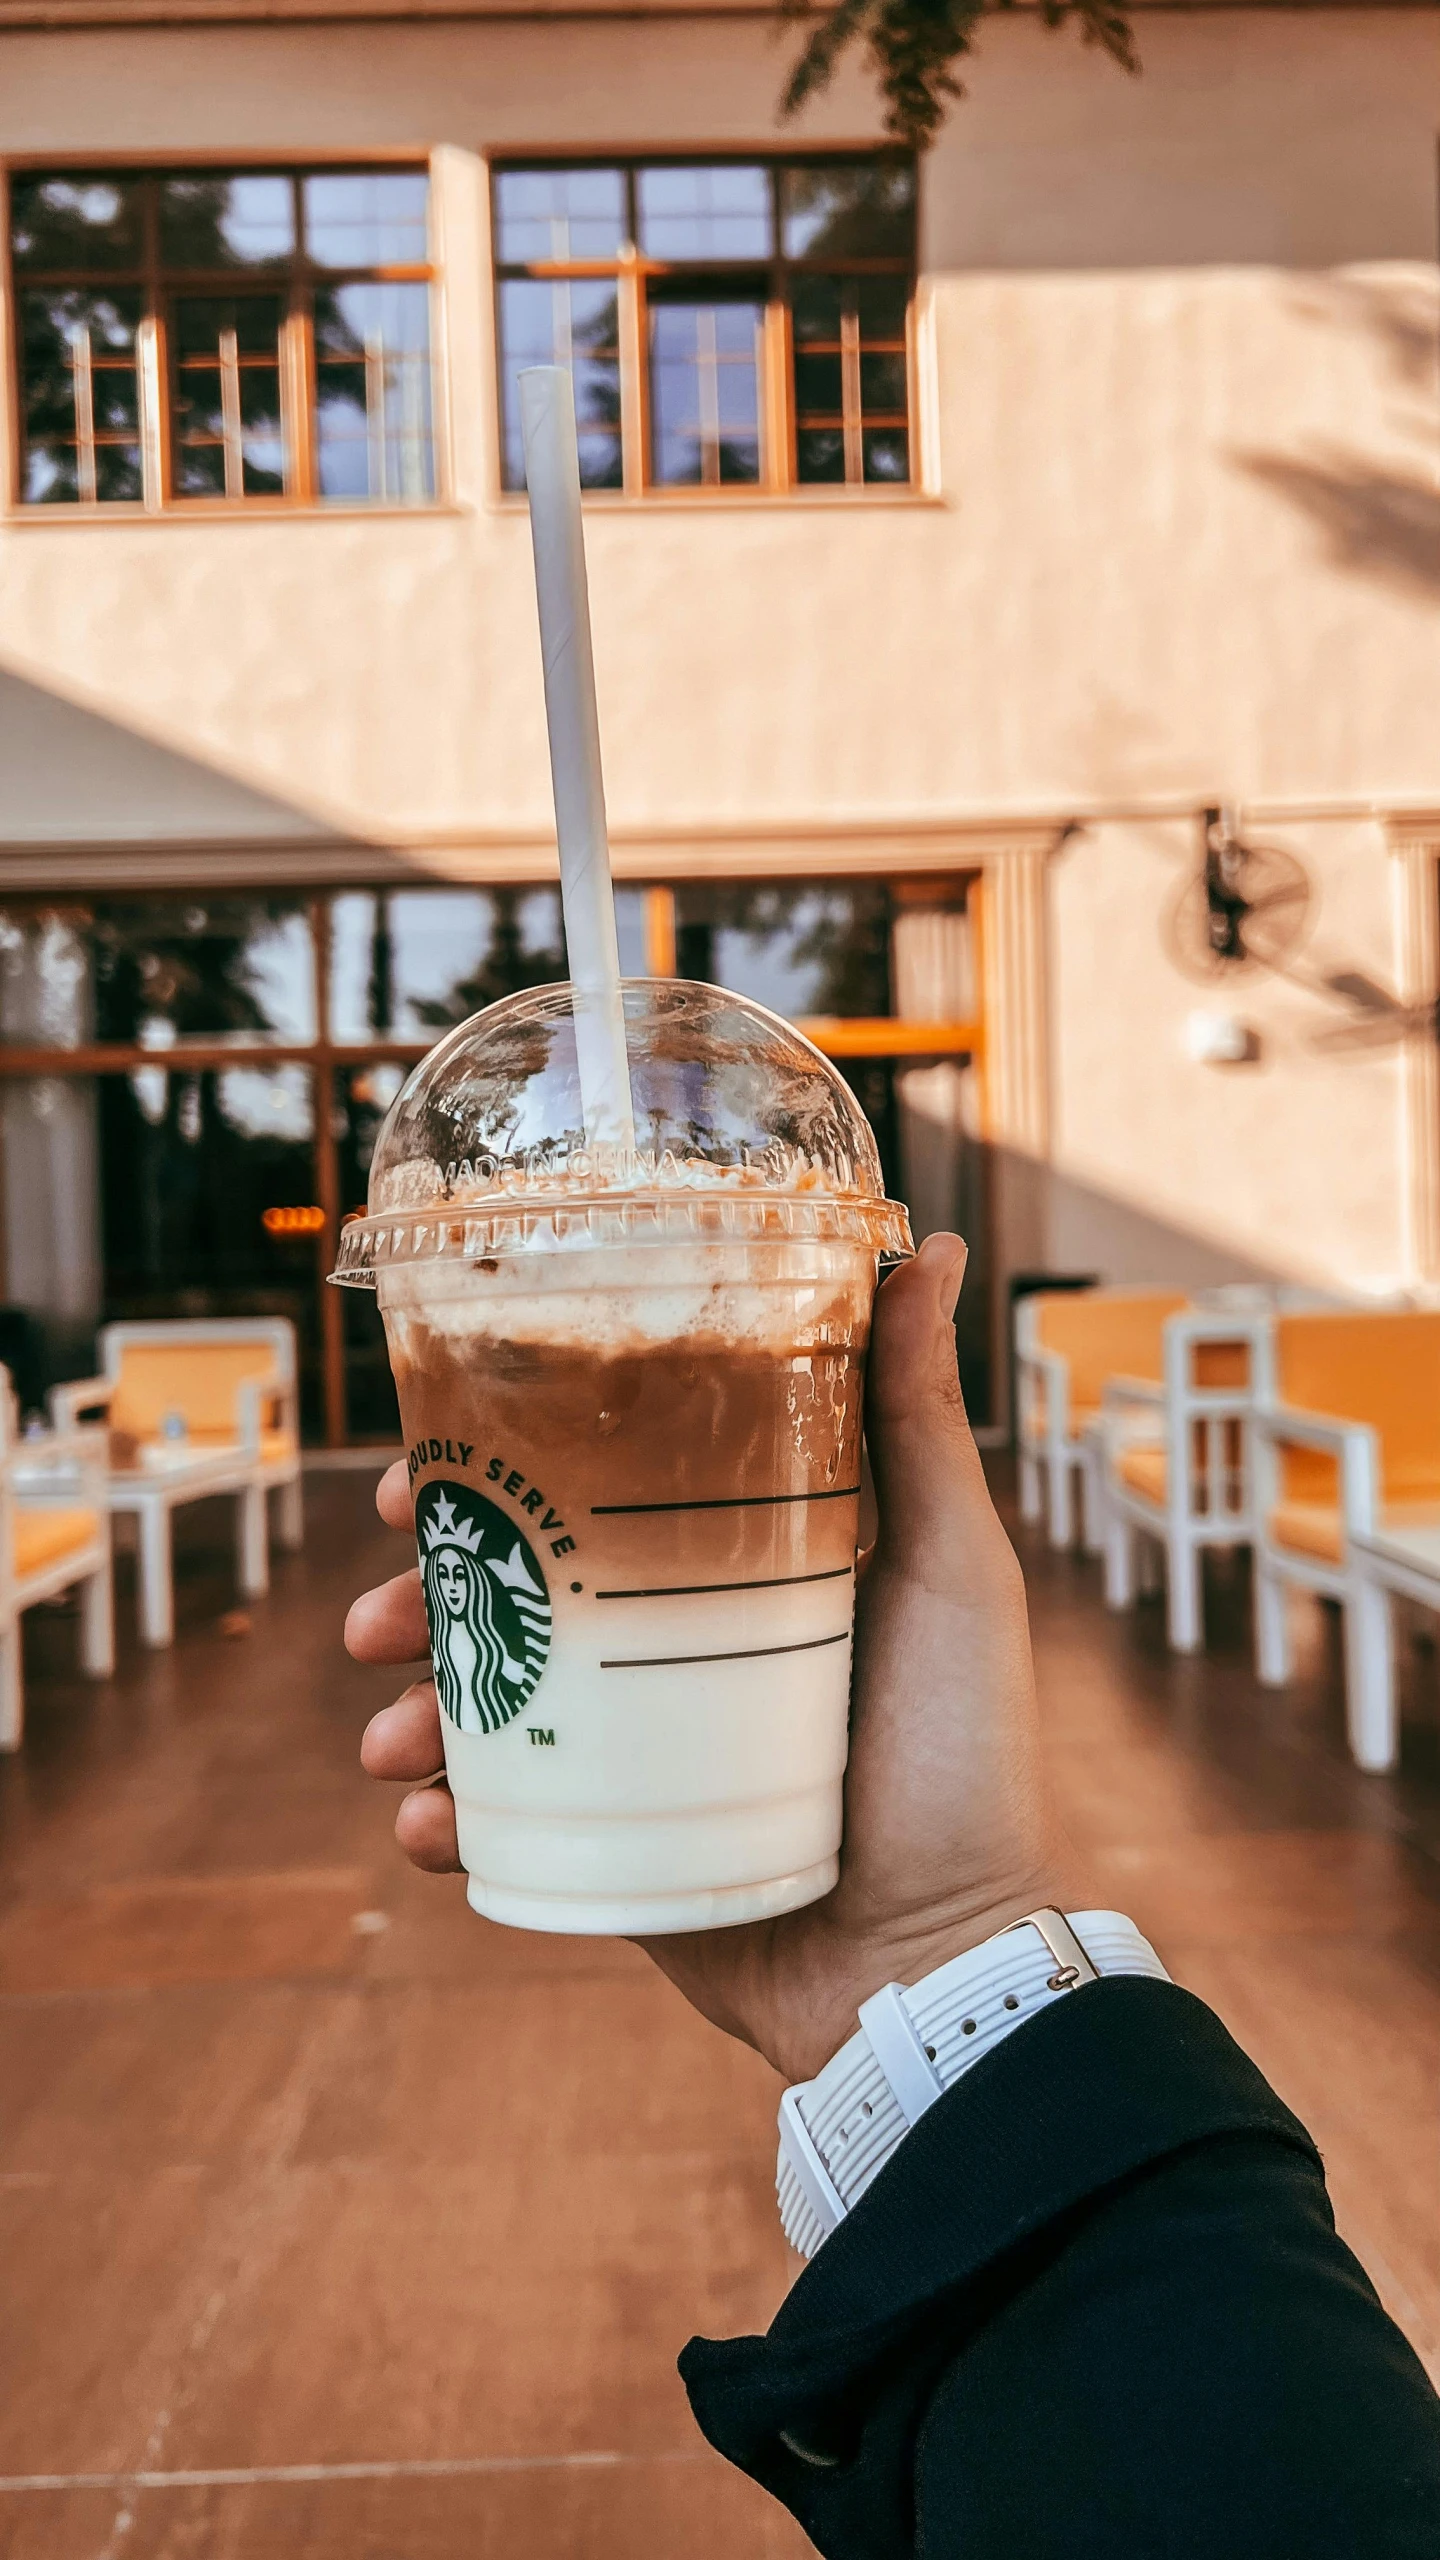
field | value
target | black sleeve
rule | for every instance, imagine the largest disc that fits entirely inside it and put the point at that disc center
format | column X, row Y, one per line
column 1093, row 2309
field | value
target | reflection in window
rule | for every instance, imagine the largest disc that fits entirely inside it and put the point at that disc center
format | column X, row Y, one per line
column 558, row 214
column 267, row 1102
column 228, row 432
column 799, row 948
column 847, row 209
column 705, row 391
column 705, row 214
column 711, row 268
column 851, row 379
column 151, row 972
column 405, row 963
column 372, row 397
column 574, row 324
column 210, row 222
column 84, row 223
column 46, row 984
column 367, row 218
column 223, row 337
column 81, row 400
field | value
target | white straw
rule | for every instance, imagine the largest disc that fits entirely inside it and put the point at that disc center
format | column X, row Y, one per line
column 552, row 473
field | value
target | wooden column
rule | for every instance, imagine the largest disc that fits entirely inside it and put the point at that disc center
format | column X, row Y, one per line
column 1015, row 982
column 1415, row 877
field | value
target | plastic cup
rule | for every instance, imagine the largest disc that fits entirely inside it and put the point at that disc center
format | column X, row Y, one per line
column 630, row 1385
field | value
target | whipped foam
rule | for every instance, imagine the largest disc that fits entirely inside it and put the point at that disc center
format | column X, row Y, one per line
column 609, row 1173
column 776, row 1297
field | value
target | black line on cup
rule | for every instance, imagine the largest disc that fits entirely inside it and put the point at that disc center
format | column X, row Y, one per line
column 748, row 1653
column 697, row 1590
column 722, row 1502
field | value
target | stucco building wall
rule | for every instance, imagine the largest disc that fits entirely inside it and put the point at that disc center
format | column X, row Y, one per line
column 1178, row 543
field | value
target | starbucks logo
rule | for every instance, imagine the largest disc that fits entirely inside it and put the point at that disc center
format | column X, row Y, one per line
column 487, row 1604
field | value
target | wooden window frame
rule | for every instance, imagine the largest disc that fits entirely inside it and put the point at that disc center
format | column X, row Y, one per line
column 632, row 271
column 292, row 278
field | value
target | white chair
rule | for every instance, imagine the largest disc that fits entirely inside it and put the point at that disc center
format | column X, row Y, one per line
column 1175, row 1462
column 54, row 1536
column 1067, row 1343
column 1404, row 1564
column 196, row 1408
column 1347, row 1466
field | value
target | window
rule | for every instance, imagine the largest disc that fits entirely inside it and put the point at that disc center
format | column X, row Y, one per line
column 253, row 336
column 736, row 324
column 191, row 1086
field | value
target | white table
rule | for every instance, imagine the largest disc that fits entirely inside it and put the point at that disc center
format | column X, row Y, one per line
column 1403, row 1560
column 149, row 1493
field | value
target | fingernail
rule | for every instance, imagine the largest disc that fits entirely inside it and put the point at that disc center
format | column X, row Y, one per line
column 951, row 1285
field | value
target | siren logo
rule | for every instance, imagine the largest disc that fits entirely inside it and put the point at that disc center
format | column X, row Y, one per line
column 487, row 1604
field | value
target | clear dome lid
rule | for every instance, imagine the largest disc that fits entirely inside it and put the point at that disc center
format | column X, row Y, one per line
column 742, row 1129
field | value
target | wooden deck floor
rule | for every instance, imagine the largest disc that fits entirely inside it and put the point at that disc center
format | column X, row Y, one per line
column 334, row 2221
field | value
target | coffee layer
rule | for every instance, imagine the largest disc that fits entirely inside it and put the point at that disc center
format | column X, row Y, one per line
column 696, row 1463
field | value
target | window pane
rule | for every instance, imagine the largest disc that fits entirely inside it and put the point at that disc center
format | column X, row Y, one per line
column 210, row 222
column 367, row 218
column 189, row 1162
column 232, row 968
column 51, row 476
column 815, row 310
column 47, row 993
column 820, row 454
column 80, row 394
column 881, row 303
column 864, row 209
column 119, row 472
column 887, row 453
column 818, row 386
column 80, row 224
column 705, row 213
column 799, row 948
column 228, row 424
column 574, row 324
column 66, row 333
column 882, row 384
column 372, row 374
column 705, row 391
column 404, row 963
column 558, row 214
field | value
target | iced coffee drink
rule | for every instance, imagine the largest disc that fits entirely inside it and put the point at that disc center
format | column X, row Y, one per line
column 631, row 1397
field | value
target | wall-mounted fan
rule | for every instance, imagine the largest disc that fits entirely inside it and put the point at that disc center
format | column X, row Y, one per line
column 1246, row 907
column 1377, row 1019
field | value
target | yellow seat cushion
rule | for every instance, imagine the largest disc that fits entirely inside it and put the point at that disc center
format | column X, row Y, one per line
column 1308, row 1529
column 1145, row 1472
column 1380, row 1369
column 1313, row 1528
column 1102, row 1334
column 42, row 1538
column 201, row 1380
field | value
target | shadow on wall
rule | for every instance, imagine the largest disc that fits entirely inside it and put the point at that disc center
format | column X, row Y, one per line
column 1048, row 1222
column 76, row 780
column 1380, row 523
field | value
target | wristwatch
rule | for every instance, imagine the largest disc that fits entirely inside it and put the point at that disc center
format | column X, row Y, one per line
column 838, row 2130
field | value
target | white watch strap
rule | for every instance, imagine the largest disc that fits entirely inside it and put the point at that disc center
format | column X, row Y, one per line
column 838, row 2130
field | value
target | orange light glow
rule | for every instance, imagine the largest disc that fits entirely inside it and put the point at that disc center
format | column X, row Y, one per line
column 293, row 1222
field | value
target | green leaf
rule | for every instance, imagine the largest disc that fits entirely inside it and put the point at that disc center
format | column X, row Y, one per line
column 914, row 47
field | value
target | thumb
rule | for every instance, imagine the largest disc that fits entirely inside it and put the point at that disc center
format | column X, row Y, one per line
column 930, row 1486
